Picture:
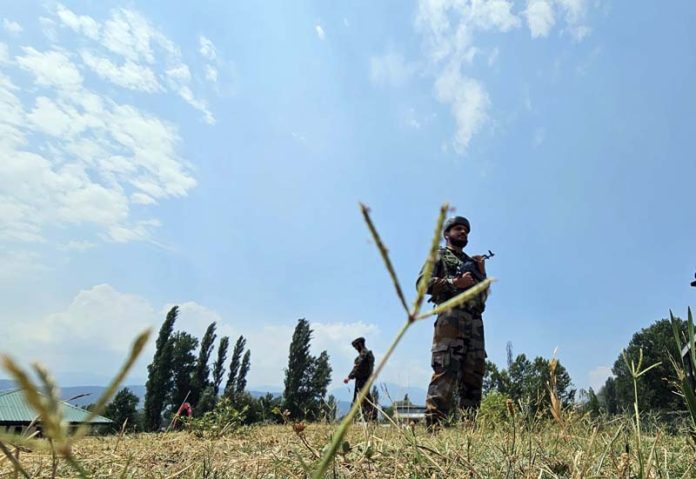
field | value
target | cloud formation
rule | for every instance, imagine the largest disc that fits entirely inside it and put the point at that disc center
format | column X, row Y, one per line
column 11, row 27
column 391, row 69
column 449, row 29
column 91, row 336
column 75, row 157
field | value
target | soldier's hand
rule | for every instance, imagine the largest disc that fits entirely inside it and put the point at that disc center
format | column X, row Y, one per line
column 345, row 381
column 481, row 263
column 464, row 281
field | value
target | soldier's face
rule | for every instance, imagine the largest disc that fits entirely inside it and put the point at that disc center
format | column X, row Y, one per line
column 457, row 235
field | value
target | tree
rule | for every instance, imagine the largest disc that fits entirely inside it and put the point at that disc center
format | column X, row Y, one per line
column 269, row 408
column 321, row 374
column 607, row 396
column 159, row 374
column 655, row 393
column 529, row 381
column 593, row 405
column 206, row 402
column 243, row 371
column 123, row 408
column 306, row 377
column 219, row 365
column 235, row 363
column 201, row 375
column 184, row 362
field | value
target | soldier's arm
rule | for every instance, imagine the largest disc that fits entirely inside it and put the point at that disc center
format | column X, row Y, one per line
column 362, row 366
column 439, row 283
column 355, row 370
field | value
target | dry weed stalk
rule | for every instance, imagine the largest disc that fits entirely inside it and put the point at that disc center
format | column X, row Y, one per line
column 49, row 408
column 413, row 315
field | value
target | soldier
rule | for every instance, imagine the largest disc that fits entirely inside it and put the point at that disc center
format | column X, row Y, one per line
column 458, row 352
column 362, row 369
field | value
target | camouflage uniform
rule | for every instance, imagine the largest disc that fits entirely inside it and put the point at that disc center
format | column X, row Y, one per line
column 362, row 369
column 458, row 351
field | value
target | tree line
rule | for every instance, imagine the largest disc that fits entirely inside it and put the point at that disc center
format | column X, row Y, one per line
column 180, row 372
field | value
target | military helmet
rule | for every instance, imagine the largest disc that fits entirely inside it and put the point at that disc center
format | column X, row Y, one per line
column 455, row 220
column 357, row 341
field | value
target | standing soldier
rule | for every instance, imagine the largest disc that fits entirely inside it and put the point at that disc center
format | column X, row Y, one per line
column 458, row 352
column 362, row 370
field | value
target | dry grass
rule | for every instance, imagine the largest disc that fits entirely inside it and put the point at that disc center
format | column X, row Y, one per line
column 581, row 449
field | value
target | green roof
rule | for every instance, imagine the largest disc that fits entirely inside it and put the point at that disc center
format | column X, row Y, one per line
column 14, row 409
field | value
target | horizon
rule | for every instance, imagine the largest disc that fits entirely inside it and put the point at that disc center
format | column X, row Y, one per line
column 213, row 157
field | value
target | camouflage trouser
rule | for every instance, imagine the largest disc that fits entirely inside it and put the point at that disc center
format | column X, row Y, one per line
column 368, row 409
column 458, row 361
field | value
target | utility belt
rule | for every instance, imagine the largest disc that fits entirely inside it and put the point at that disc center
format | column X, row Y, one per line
column 475, row 306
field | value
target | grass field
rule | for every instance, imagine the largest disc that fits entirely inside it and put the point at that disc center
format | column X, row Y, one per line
column 512, row 448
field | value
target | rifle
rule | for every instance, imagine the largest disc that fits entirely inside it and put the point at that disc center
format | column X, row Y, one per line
column 471, row 267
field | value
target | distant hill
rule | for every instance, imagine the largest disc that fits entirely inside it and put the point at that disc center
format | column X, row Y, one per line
column 388, row 392
column 88, row 394
column 344, row 395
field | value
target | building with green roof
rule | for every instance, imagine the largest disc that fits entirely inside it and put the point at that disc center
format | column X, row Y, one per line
column 16, row 414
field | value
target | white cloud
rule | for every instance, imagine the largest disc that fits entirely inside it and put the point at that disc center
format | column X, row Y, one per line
column 320, row 32
column 78, row 245
column 133, row 76
column 4, row 53
column 211, row 73
column 89, row 338
column 207, row 48
column 272, row 343
column 95, row 154
column 79, row 23
column 493, row 56
column 18, row 263
column 140, row 47
column 449, row 29
column 49, row 29
column 469, row 104
column 51, row 69
column 390, row 69
column 75, row 157
column 11, row 27
column 540, row 17
column 598, row 376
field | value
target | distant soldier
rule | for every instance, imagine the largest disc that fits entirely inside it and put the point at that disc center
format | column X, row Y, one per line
column 362, row 370
column 458, row 351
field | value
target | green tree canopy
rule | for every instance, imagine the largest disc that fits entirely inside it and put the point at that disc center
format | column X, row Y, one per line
column 235, row 363
column 306, row 377
column 201, row 375
column 184, row 364
column 219, row 366
column 528, row 381
column 159, row 374
column 123, row 409
column 654, row 388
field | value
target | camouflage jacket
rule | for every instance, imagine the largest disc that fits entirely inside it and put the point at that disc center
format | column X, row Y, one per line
column 441, row 288
column 363, row 365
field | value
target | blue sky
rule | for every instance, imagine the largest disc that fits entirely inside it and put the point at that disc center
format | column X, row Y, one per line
column 213, row 156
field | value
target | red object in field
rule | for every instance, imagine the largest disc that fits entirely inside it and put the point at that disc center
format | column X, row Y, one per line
column 185, row 408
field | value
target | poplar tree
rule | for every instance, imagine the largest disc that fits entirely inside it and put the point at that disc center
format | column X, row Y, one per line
column 306, row 377
column 159, row 374
column 235, row 363
column 201, row 374
column 219, row 366
column 243, row 371
column 184, row 364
